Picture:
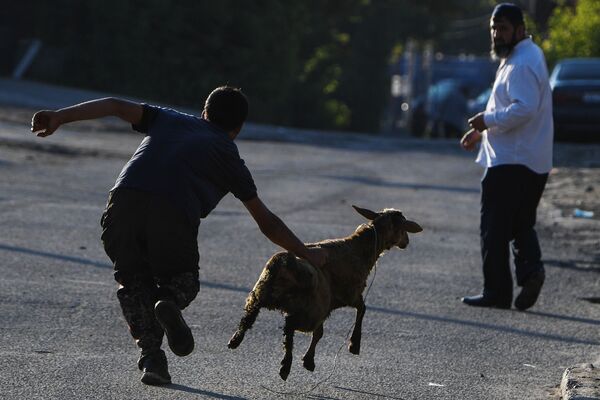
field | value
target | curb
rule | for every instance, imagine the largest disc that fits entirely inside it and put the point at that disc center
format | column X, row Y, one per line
column 581, row 382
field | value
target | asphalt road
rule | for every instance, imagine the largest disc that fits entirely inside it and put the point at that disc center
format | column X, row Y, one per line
column 63, row 337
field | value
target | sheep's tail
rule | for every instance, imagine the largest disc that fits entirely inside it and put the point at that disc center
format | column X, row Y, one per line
column 260, row 296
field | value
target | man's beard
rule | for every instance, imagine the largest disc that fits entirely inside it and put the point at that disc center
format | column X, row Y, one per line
column 502, row 50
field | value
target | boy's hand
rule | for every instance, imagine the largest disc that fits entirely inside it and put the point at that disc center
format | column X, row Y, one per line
column 44, row 123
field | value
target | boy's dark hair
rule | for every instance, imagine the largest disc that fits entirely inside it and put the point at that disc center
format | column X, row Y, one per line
column 511, row 12
column 226, row 107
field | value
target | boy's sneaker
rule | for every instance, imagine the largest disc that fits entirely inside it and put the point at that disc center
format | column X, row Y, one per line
column 531, row 291
column 179, row 335
column 154, row 368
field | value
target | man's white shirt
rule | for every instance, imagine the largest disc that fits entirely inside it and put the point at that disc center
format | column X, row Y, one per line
column 519, row 112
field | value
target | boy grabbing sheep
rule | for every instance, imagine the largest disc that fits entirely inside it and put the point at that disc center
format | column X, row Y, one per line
column 181, row 170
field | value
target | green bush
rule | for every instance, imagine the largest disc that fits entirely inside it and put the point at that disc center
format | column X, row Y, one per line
column 574, row 31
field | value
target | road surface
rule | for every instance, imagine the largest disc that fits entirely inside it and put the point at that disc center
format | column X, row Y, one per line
column 63, row 337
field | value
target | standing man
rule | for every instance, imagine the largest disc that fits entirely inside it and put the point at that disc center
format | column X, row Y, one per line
column 183, row 167
column 516, row 134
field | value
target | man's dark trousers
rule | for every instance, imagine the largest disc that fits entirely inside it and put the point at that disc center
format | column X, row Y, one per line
column 510, row 195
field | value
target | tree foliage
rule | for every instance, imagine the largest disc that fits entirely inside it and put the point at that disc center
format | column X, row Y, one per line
column 574, row 31
column 307, row 63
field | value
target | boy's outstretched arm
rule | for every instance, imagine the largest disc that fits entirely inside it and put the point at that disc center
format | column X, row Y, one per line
column 274, row 229
column 45, row 122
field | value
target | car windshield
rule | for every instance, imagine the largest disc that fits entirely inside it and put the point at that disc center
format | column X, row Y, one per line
column 576, row 71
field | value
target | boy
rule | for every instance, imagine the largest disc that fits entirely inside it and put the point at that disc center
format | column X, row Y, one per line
column 183, row 167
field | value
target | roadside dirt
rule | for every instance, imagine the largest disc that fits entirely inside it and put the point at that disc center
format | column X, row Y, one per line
column 575, row 180
column 574, row 184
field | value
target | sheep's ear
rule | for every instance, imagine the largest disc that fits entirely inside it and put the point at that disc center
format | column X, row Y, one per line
column 411, row 227
column 368, row 214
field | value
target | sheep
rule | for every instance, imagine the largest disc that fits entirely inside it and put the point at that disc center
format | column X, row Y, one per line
column 307, row 295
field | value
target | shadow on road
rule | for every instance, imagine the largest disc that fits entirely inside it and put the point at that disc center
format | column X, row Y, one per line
column 370, row 394
column 183, row 388
column 594, row 266
column 55, row 256
column 378, row 182
column 223, row 286
column 85, row 261
column 492, row 327
column 319, row 397
column 565, row 317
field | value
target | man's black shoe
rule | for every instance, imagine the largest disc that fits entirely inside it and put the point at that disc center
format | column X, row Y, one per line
column 154, row 369
column 485, row 301
column 179, row 335
column 531, row 291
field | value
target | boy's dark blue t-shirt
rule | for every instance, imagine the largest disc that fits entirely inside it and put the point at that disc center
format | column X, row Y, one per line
column 187, row 160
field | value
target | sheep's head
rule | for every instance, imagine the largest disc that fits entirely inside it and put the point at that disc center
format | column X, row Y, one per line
column 392, row 227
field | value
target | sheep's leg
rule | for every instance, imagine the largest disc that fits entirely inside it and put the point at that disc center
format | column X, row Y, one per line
column 309, row 356
column 288, row 345
column 250, row 313
column 354, row 346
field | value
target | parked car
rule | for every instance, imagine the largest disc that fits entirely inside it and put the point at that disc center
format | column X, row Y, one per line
column 479, row 103
column 575, row 87
column 442, row 111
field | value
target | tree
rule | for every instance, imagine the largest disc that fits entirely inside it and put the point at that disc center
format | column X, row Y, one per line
column 573, row 31
column 308, row 63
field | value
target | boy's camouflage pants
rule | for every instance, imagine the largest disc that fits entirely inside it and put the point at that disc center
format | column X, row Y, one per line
column 154, row 249
column 137, row 296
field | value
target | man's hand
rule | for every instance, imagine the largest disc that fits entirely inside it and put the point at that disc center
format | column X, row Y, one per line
column 45, row 122
column 476, row 122
column 470, row 139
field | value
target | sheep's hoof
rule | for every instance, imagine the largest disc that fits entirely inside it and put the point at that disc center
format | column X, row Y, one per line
column 235, row 340
column 284, row 371
column 354, row 348
column 309, row 363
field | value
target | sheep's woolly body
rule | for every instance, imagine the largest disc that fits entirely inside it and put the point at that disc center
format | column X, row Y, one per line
column 306, row 295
